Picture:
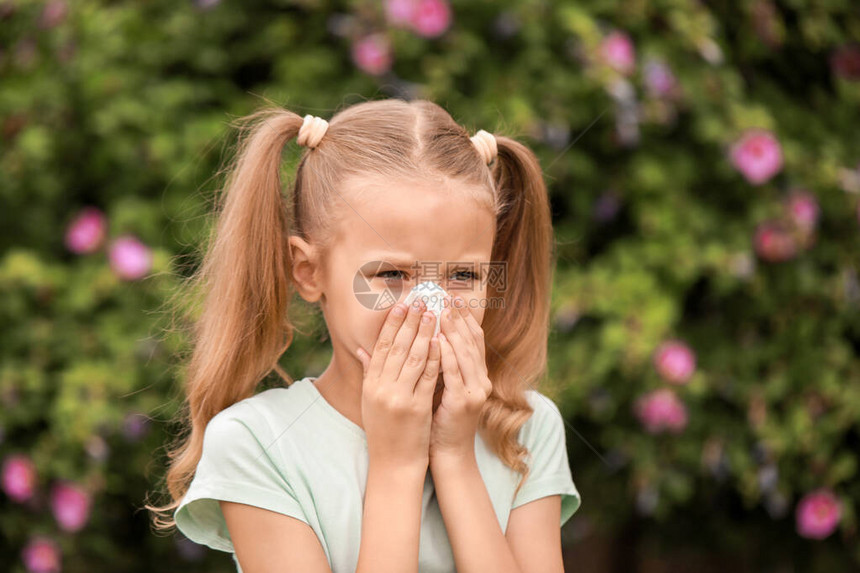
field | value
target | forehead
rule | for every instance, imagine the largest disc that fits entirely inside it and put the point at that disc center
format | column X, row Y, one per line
column 414, row 219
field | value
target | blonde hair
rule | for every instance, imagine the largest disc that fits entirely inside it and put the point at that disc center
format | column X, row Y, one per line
column 245, row 276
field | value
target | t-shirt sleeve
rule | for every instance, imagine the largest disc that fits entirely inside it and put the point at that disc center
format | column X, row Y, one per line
column 544, row 436
column 235, row 466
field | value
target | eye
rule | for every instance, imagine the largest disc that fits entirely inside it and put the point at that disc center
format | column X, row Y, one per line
column 466, row 279
column 386, row 274
column 468, row 275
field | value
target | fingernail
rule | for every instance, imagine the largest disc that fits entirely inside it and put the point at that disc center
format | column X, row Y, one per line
column 399, row 310
column 425, row 319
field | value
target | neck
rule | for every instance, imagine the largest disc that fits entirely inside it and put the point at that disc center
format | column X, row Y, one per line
column 341, row 382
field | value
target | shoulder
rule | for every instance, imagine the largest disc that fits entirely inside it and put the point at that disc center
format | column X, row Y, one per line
column 545, row 425
column 276, row 400
column 545, row 410
column 541, row 402
column 259, row 414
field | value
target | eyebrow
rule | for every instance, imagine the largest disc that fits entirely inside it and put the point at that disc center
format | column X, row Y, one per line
column 403, row 260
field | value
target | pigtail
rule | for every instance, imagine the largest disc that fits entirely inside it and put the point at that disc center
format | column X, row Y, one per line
column 244, row 277
column 525, row 244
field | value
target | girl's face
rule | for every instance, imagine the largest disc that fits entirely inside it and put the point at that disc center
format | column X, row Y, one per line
column 391, row 236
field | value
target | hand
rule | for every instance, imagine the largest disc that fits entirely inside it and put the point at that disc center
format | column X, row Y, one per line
column 467, row 386
column 397, row 389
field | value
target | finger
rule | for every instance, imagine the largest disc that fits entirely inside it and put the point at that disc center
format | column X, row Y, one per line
column 476, row 330
column 385, row 340
column 476, row 378
column 417, row 357
column 462, row 344
column 402, row 343
column 462, row 327
column 450, row 369
column 427, row 384
column 364, row 358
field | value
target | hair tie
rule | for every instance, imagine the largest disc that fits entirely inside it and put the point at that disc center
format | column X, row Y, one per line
column 486, row 145
column 312, row 130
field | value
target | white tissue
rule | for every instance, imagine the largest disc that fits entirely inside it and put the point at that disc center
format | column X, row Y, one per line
column 433, row 296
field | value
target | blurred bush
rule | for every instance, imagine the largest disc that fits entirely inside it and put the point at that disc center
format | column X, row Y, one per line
column 704, row 170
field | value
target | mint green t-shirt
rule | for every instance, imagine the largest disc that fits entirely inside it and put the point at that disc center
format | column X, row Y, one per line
column 288, row 450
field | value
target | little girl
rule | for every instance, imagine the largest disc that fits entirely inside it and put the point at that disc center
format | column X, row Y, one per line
column 412, row 451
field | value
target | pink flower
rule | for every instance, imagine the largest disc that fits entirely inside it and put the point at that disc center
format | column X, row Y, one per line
column 70, row 504
column 431, row 17
column 400, row 12
column 618, row 52
column 41, row 555
column 757, row 155
column 675, row 362
column 372, row 54
column 661, row 410
column 19, row 477
column 803, row 209
column 129, row 258
column 53, row 14
column 87, row 231
column 818, row 514
column 773, row 242
column 659, row 79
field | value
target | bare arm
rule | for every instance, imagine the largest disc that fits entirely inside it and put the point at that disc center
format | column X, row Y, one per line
column 534, row 535
column 473, row 528
column 266, row 541
column 391, row 525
